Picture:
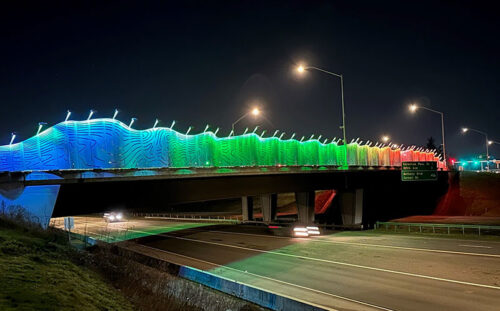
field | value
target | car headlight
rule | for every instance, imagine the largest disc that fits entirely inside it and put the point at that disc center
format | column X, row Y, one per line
column 300, row 232
column 111, row 217
column 119, row 216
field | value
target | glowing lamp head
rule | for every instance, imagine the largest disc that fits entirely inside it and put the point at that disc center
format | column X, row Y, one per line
column 464, row 130
column 385, row 138
column 255, row 111
column 490, row 142
column 413, row 108
column 300, row 69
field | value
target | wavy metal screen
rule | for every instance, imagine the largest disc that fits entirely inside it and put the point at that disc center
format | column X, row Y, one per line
column 109, row 143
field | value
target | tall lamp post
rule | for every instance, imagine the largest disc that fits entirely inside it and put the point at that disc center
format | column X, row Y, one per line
column 413, row 108
column 255, row 112
column 301, row 69
column 488, row 142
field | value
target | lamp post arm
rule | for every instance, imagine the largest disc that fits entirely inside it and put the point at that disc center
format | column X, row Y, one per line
column 241, row 118
column 322, row 70
column 486, row 137
column 429, row 109
column 478, row 131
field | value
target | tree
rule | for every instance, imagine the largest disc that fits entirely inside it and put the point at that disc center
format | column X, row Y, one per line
column 431, row 145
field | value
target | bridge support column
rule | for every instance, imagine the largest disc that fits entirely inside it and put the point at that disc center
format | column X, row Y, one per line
column 305, row 206
column 269, row 206
column 351, row 206
column 247, row 208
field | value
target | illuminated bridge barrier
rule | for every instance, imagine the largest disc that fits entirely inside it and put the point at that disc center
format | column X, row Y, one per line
column 109, row 143
column 33, row 171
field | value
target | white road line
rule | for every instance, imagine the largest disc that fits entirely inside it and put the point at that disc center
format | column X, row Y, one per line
column 375, row 245
column 478, row 246
column 340, row 263
column 275, row 280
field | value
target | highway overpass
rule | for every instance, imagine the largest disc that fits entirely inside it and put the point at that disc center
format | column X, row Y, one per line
column 89, row 166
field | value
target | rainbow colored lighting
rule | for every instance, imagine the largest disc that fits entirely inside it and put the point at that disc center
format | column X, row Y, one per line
column 108, row 143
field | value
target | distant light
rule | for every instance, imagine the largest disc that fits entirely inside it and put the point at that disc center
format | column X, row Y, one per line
column 413, row 107
column 172, row 125
column 300, row 69
column 300, row 232
column 67, row 116
column 464, row 130
column 13, row 136
column 115, row 114
column 91, row 114
column 490, row 142
column 132, row 122
column 156, row 123
column 312, row 230
column 255, row 111
column 385, row 138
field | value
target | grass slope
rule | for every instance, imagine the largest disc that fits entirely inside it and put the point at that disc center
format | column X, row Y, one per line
column 37, row 273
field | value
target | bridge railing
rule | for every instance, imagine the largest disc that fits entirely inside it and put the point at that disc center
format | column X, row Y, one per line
column 438, row 228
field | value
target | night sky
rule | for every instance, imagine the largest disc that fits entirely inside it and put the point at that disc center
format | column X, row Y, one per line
column 208, row 63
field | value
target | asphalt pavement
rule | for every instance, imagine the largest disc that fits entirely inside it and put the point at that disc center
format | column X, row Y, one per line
column 342, row 270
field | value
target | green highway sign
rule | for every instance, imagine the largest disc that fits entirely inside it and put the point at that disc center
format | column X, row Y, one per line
column 419, row 171
column 420, row 166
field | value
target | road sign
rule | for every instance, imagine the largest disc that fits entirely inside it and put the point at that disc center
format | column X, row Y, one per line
column 69, row 223
column 420, row 166
column 419, row 171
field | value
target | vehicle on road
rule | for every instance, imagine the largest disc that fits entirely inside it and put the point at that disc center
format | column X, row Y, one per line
column 113, row 217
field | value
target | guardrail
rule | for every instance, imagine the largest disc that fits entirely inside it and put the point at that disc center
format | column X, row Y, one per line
column 438, row 228
column 189, row 217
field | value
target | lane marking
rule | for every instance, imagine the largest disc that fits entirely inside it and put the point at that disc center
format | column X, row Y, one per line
column 478, row 246
column 274, row 280
column 373, row 245
column 341, row 263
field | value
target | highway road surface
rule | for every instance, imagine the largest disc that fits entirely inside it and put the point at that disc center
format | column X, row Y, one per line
column 339, row 271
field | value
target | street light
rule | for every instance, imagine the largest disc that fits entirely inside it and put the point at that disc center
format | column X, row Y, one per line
column 385, row 138
column 301, row 69
column 255, row 112
column 488, row 142
column 414, row 107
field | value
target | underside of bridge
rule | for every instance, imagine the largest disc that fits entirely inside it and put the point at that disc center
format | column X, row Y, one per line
column 363, row 196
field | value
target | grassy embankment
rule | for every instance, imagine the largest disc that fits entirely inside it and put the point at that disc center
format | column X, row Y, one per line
column 39, row 270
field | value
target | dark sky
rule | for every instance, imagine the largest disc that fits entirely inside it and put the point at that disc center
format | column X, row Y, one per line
column 206, row 63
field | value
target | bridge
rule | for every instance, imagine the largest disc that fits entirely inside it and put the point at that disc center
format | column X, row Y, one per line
column 91, row 165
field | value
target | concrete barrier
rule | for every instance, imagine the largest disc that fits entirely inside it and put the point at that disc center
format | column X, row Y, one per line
column 249, row 293
column 246, row 292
